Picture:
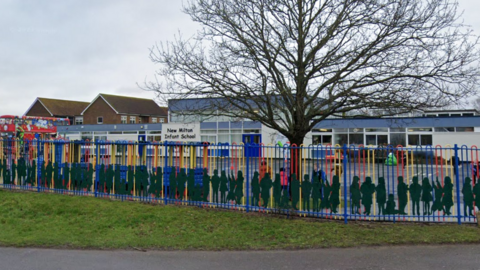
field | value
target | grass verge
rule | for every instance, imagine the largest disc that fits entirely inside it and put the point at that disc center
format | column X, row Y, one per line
column 50, row 220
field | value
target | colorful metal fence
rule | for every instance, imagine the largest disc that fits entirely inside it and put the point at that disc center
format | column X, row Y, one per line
column 423, row 184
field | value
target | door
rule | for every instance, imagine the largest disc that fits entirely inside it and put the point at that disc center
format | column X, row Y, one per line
column 254, row 141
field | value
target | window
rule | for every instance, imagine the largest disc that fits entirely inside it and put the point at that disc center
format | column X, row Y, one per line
column 377, row 139
column 444, row 129
column 341, row 139
column 419, row 129
column 100, row 120
column 154, row 119
column 132, row 120
column 123, row 119
column 465, row 129
column 79, row 120
column 210, row 139
column 397, row 139
column 420, row 139
column 162, row 120
column 321, row 139
column 139, row 120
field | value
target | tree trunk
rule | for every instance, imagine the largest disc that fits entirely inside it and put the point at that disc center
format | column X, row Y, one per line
column 295, row 158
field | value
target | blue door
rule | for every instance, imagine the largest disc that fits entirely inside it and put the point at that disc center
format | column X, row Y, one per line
column 254, row 141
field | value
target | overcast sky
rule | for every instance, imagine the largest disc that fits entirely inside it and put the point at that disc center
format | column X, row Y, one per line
column 75, row 49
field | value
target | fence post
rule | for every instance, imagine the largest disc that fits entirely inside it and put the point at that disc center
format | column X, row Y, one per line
column 247, row 176
column 345, row 195
column 457, row 180
column 165, row 201
column 97, row 172
column 38, row 165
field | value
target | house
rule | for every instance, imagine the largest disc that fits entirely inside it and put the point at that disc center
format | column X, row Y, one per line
column 112, row 109
column 59, row 108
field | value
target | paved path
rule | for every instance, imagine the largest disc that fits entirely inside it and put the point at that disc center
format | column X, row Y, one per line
column 414, row 257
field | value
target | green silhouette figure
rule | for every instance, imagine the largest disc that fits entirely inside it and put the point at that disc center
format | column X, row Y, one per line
column 8, row 178
column 145, row 181
column 327, row 191
column 109, row 178
column 367, row 189
column 231, row 187
column 335, row 193
column 476, row 192
column 381, row 195
column 90, row 177
column 21, row 170
column 255, row 189
column 43, row 174
column 402, row 191
column 85, row 177
column 66, row 176
column 2, row 170
column 56, row 177
column 14, row 180
column 239, row 187
column 467, row 196
column 265, row 185
column 153, row 183
column 295, row 191
column 182, row 180
column 33, row 170
column 277, row 190
column 137, row 183
column 73, row 176
column 215, row 185
column 206, row 185
column 101, row 178
column 159, row 175
column 284, row 203
column 49, row 172
column 117, row 180
column 223, row 187
column 390, row 210
column 191, row 184
column 426, row 196
column 438, row 192
column 198, row 193
column 306, row 192
column 173, row 183
column 415, row 194
column 447, row 199
column 316, row 187
column 130, row 177
column 355, row 195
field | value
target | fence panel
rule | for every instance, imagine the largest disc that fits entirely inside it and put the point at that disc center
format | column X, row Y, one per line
column 392, row 183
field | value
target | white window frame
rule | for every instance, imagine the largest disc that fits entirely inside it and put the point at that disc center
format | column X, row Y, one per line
column 154, row 119
column 98, row 120
column 133, row 120
column 123, row 119
column 162, row 120
column 79, row 120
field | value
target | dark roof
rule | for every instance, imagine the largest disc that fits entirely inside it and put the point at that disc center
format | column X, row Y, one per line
column 59, row 107
column 133, row 105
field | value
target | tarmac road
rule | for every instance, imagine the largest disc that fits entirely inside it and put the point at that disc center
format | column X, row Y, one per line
column 399, row 257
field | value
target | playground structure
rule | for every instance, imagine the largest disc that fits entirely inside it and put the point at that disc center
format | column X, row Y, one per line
column 30, row 127
column 429, row 184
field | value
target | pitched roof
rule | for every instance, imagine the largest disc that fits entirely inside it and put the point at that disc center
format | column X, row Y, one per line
column 132, row 105
column 60, row 107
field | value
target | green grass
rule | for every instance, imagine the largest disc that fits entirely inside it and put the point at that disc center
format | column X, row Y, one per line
column 50, row 220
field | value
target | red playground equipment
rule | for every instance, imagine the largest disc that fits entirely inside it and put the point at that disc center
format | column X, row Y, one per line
column 30, row 127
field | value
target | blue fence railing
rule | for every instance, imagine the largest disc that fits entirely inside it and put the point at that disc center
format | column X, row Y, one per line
column 423, row 184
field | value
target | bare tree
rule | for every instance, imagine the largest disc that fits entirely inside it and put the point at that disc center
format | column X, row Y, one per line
column 476, row 104
column 289, row 64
